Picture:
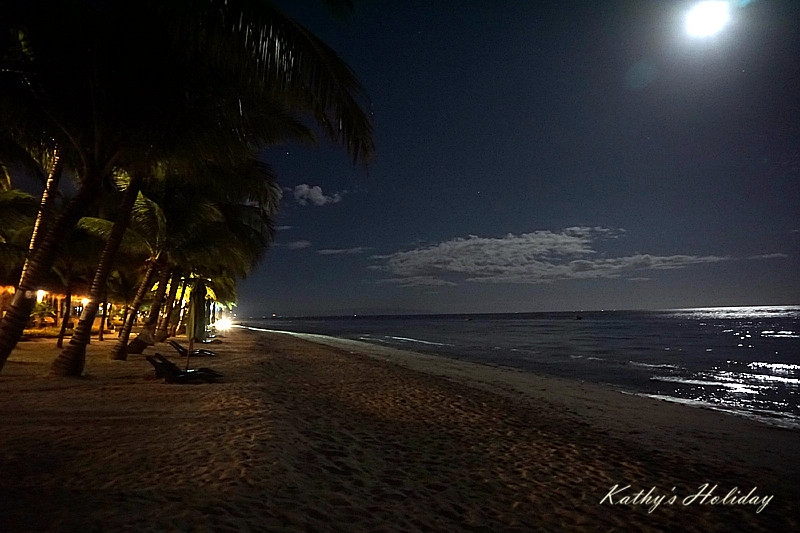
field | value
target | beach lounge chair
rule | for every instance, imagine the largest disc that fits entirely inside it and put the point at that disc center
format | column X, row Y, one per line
column 173, row 374
column 195, row 353
column 159, row 368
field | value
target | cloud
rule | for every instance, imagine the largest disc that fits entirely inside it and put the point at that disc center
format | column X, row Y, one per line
column 298, row 245
column 304, row 194
column 344, row 251
column 282, row 228
column 416, row 281
column 769, row 256
column 528, row 258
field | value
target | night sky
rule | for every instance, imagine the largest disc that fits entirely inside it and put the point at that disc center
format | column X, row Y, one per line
column 538, row 156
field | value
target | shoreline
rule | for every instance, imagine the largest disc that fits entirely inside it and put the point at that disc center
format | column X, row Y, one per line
column 745, row 383
column 632, row 415
column 370, row 348
column 305, row 436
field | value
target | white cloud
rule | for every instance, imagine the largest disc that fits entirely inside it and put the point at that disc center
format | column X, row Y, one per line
column 343, row 251
column 530, row 258
column 305, row 193
column 769, row 256
column 298, row 245
column 416, row 281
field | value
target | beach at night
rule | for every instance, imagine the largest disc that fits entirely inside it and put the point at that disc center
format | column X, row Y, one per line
column 324, row 434
column 399, row 266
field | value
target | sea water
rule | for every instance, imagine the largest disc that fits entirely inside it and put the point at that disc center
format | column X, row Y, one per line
column 743, row 360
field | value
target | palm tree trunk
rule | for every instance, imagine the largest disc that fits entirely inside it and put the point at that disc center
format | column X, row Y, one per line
column 43, row 216
column 38, row 264
column 67, row 314
column 119, row 352
column 182, row 317
column 173, row 326
column 158, row 299
column 161, row 331
column 124, row 318
column 104, row 317
column 146, row 337
column 73, row 358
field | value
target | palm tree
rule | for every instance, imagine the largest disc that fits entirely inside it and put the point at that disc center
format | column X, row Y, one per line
column 245, row 65
column 163, row 324
column 141, row 242
column 234, row 204
column 30, row 138
column 74, row 263
column 123, row 284
column 174, row 321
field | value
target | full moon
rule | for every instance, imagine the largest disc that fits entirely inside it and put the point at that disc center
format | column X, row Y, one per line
column 707, row 18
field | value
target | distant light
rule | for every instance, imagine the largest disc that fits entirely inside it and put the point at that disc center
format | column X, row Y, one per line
column 40, row 295
column 707, row 18
column 224, row 324
column 84, row 302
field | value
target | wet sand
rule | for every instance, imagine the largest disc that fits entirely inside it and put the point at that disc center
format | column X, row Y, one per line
column 334, row 435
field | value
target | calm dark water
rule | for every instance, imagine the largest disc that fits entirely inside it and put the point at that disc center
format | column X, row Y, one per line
column 744, row 360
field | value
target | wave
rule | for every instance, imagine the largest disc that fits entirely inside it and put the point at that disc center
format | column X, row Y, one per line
column 775, row 367
column 780, row 334
column 405, row 339
column 587, row 357
column 648, row 365
column 742, row 387
column 738, row 377
column 772, row 418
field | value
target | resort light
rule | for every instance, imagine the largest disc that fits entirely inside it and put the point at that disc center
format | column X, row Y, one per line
column 223, row 324
column 40, row 296
column 707, row 18
column 84, row 302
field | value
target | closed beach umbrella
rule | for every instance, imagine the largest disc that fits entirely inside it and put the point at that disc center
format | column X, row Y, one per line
column 196, row 321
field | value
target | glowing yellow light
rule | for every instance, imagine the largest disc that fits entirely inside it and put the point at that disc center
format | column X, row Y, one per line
column 707, row 18
column 224, row 324
column 40, row 295
column 85, row 301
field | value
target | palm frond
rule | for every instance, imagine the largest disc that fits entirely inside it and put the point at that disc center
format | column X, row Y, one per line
column 149, row 221
column 133, row 242
column 16, row 209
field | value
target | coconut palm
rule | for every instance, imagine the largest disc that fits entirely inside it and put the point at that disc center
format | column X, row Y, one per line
column 17, row 209
column 203, row 75
column 162, row 331
column 123, row 284
column 143, row 241
column 75, row 265
column 226, row 209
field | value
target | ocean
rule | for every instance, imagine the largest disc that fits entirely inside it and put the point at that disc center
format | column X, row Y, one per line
column 742, row 360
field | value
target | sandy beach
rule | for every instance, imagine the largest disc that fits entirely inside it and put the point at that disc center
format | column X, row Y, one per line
column 310, row 433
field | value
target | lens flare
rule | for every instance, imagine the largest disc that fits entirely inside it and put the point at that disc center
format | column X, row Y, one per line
column 707, row 18
column 224, row 324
